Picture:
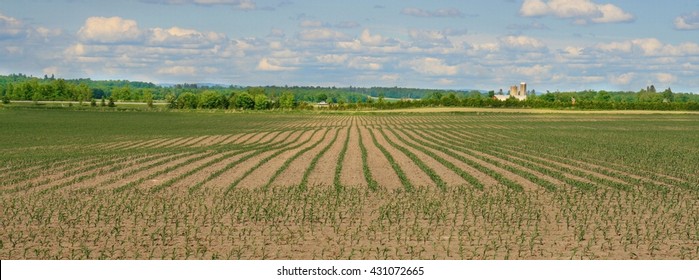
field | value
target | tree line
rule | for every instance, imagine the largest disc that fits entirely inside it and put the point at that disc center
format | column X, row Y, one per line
column 194, row 96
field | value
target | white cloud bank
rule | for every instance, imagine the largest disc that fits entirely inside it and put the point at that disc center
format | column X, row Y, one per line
column 580, row 11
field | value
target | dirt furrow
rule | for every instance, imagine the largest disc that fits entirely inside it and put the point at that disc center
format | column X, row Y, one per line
column 204, row 173
column 262, row 174
column 415, row 174
column 229, row 176
column 322, row 174
column 485, row 179
column 449, row 177
column 526, row 184
column 352, row 168
column 148, row 172
column 162, row 178
column 293, row 175
column 381, row 169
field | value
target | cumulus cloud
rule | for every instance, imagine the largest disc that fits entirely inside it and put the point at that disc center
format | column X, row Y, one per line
column 666, row 78
column 178, row 71
column 650, row 47
column 622, row 79
column 10, row 27
column 320, row 34
column 371, row 40
column 365, row 63
column 332, row 58
column 687, row 21
column 522, row 42
column 417, row 12
column 110, row 30
column 580, row 11
column 433, row 67
column 267, row 64
column 183, row 37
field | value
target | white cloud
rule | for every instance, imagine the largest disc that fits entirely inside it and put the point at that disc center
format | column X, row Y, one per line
column 390, row 77
column 178, row 71
column 623, row 79
column 183, row 37
column 687, row 21
column 433, row 67
column 332, row 58
column 10, row 27
column 417, row 12
column 666, row 78
column 110, row 30
column 267, row 64
column 650, row 47
column 574, row 51
column 522, row 42
column 537, row 71
column 320, row 34
column 371, row 40
column 580, row 11
column 365, row 63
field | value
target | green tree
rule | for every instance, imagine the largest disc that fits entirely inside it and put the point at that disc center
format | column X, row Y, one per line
column 668, row 95
column 187, row 100
column 171, row 100
column 84, row 93
column 261, row 102
column 36, row 97
column 111, row 102
column 210, row 99
column 244, row 101
column 148, row 97
column 287, row 100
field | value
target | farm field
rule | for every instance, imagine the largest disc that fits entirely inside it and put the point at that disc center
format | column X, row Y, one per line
column 444, row 185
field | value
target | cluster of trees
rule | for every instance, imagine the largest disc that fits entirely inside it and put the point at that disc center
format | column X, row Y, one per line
column 250, row 99
column 193, row 96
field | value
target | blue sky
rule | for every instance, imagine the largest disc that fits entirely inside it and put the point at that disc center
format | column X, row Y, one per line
column 550, row 44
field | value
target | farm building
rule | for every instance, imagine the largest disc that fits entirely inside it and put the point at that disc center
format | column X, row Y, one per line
column 519, row 93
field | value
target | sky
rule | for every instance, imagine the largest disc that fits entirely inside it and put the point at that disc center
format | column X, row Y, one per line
column 466, row 44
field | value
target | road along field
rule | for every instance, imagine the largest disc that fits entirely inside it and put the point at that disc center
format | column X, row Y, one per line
column 475, row 185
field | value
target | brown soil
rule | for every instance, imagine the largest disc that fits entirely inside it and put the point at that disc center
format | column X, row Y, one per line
column 324, row 172
column 233, row 174
column 293, row 175
column 526, row 184
column 447, row 175
column 381, row 169
column 352, row 174
column 486, row 180
column 162, row 178
column 263, row 173
column 204, row 173
column 148, row 172
column 416, row 175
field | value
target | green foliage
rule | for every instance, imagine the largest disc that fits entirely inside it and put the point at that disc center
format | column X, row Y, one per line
column 187, row 101
column 286, row 101
column 244, row 101
column 210, row 99
column 261, row 102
